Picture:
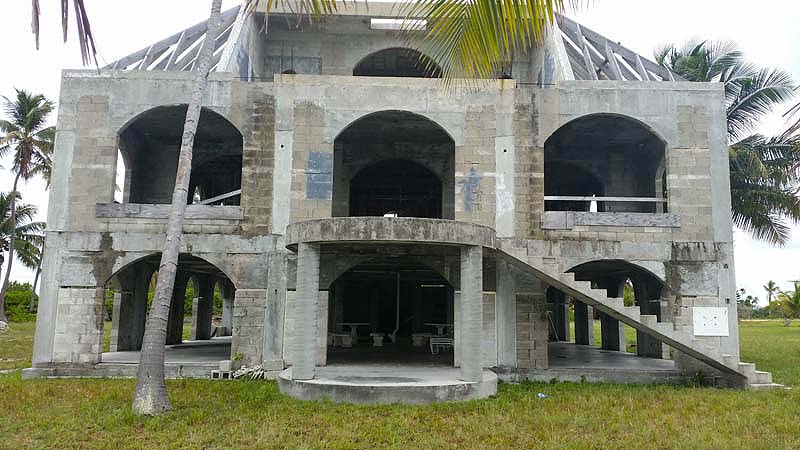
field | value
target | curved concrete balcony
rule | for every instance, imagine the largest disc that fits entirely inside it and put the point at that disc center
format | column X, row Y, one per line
column 389, row 230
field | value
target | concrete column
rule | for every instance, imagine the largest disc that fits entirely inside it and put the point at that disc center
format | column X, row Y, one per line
column 117, row 339
column 275, row 312
column 302, row 340
column 647, row 345
column 584, row 323
column 559, row 315
column 612, row 333
column 228, row 294
column 471, row 312
column 506, row 311
column 202, row 309
column 175, row 321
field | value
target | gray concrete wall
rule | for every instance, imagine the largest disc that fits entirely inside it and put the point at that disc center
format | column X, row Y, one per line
column 498, row 133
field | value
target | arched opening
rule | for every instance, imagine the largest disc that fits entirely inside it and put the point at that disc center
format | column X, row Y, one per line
column 387, row 310
column 394, row 162
column 605, row 156
column 193, row 331
column 150, row 144
column 636, row 286
column 397, row 62
column 396, row 187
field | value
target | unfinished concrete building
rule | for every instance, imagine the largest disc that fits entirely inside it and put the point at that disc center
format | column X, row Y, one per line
column 376, row 237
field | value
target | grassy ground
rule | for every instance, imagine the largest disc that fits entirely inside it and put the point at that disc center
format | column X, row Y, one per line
column 96, row 413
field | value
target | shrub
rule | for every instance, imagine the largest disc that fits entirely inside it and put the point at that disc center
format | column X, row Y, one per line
column 18, row 297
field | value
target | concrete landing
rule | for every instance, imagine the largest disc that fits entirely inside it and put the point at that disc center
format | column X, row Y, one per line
column 584, row 363
column 380, row 384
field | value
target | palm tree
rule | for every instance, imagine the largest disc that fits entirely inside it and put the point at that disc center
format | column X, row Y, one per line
column 764, row 171
column 150, row 395
column 17, row 231
column 772, row 288
column 31, row 142
column 789, row 302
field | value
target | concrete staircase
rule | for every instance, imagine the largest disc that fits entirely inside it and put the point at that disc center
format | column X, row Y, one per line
column 740, row 374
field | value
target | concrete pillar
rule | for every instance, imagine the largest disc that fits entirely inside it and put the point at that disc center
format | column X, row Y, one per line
column 228, row 294
column 559, row 315
column 120, row 322
column 506, row 311
column 471, row 312
column 302, row 339
column 612, row 333
column 175, row 320
column 647, row 345
column 202, row 308
column 584, row 323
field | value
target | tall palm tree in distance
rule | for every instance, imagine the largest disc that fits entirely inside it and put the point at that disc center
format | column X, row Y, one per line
column 18, row 231
column 772, row 289
column 764, row 171
column 30, row 141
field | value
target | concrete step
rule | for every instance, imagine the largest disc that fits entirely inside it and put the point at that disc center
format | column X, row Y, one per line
column 632, row 312
column 765, row 386
column 748, row 370
column 648, row 320
column 763, row 377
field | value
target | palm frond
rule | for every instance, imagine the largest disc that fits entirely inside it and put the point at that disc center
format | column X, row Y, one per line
column 477, row 39
column 751, row 98
column 86, row 42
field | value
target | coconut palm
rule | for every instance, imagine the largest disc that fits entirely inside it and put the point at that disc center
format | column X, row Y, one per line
column 764, row 171
column 19, row 232
column 150, row 394
column 789, row 302
column 30, row 142
column 772, row 289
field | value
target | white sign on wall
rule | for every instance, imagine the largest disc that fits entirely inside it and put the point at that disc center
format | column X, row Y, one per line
column 710, row 321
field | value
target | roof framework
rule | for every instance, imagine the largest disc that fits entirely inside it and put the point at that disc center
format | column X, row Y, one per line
column 591, row 55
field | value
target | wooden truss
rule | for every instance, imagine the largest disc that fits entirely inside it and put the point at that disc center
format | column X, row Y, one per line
column 179, row 51
column 591, row 55
column 595, row 57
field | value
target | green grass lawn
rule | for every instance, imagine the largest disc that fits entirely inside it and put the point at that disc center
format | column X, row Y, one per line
column 86, row 413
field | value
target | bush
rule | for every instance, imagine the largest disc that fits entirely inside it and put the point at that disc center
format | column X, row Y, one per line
column 18, row 297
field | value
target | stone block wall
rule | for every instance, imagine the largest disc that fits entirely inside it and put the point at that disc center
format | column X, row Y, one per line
column 531, row 331
column 249, row 307
column 79, row 326
column 489, row 331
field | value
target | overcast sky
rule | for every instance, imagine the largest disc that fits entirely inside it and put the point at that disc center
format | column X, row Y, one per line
column 767, row 31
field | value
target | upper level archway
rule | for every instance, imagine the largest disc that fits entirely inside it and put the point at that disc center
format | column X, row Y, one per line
column 377, row 157
column 397, row 62
column 150, row 144
column 624, row 155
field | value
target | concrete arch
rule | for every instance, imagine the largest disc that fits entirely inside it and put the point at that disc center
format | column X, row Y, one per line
column 433, row 70
column 128, row 261
column 621, row 262
column 361, row 116
column 634, row 120
column 355, row 261
column 134, row 116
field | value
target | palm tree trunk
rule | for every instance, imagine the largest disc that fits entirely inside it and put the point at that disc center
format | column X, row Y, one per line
column 32, row 304
column 12, row 242
column 150, row 394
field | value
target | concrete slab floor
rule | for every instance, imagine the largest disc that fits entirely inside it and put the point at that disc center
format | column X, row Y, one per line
column 563, row 355
column 210, row 351
column 393, row 354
